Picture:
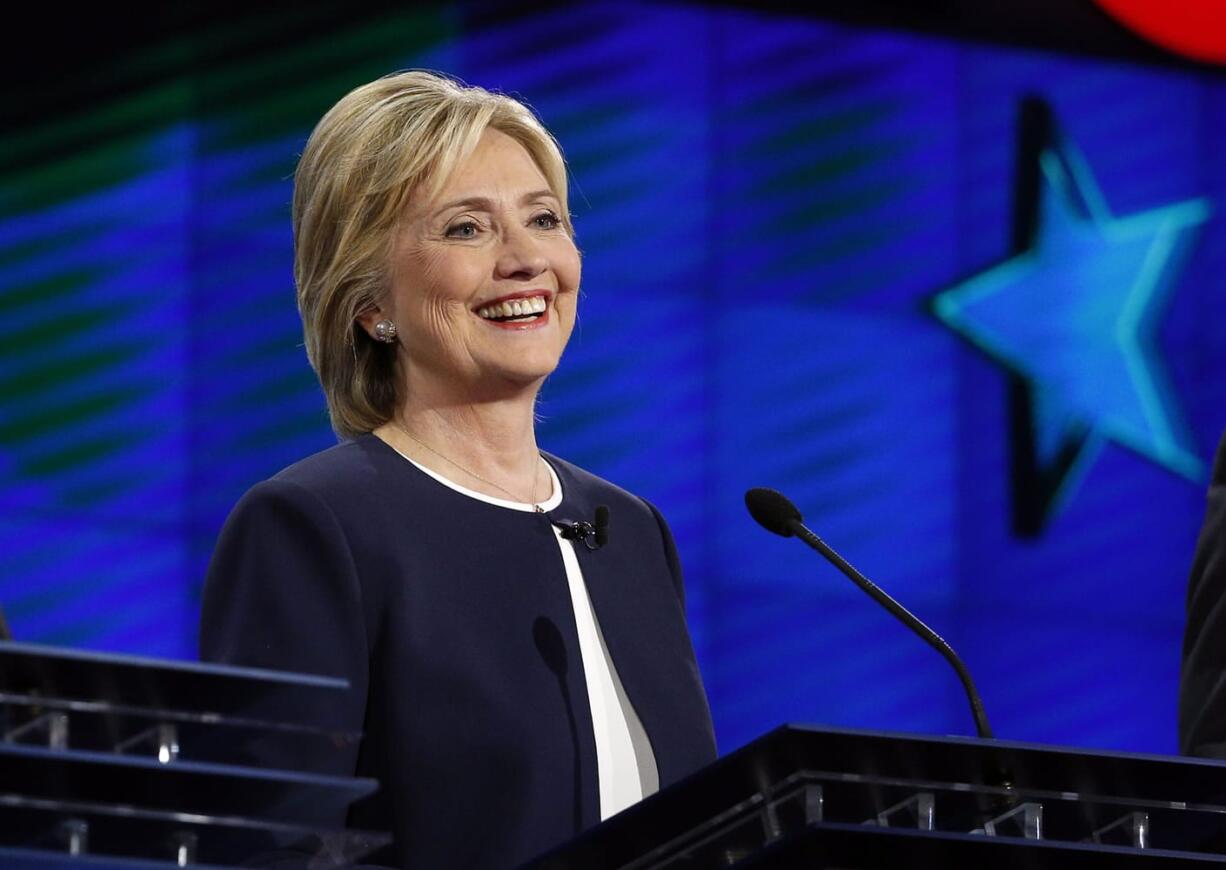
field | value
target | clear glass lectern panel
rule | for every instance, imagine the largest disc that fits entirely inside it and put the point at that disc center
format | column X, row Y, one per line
column 70, row 829
column 36, row 859
column 163, row 734
column 185, row 787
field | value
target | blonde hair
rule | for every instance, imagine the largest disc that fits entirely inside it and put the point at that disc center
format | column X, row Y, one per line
column 383, row 144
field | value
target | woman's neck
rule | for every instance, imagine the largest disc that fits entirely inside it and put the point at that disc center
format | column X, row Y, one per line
column 489, row 446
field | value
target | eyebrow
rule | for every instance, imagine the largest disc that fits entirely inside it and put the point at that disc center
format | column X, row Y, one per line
column 487, row 204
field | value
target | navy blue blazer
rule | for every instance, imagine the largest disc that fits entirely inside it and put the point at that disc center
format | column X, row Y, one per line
column 452, row 620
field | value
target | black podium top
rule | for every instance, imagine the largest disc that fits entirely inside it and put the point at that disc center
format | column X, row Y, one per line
column 852, row 799
column 187, row 690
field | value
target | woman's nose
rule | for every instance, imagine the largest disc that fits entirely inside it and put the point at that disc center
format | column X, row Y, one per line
column 520, row 255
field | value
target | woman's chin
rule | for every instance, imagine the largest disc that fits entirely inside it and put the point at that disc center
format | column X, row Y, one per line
column 531, row 378
column 509, row 381
column 530, row 365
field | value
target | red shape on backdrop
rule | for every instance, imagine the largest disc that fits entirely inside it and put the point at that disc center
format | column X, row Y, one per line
column 1193, row 28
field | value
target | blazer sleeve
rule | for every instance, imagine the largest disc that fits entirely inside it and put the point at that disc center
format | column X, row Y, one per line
column 1202, row 689
column 282, row 593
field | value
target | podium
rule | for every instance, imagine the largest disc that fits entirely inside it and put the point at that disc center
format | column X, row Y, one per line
column 854, row 800
column 121, row 762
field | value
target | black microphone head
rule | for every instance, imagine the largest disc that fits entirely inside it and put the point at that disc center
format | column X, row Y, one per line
column 773, row 510
column 602, row 525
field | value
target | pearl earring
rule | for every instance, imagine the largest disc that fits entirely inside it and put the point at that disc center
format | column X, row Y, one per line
column 385, row 331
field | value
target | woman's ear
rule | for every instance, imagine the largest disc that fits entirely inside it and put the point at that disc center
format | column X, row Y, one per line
column 368, row 318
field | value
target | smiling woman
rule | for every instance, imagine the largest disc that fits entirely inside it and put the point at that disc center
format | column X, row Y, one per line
column 519, row 673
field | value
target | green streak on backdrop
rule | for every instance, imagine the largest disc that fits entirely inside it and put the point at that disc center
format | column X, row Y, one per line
column 273, row 91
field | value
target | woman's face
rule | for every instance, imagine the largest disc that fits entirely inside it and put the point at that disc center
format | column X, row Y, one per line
column 484, row 279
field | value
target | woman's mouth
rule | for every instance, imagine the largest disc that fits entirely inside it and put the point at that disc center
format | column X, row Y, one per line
column 516, row 311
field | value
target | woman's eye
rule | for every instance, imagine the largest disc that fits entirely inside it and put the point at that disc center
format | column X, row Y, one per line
column 546, row 221
column 463, row 230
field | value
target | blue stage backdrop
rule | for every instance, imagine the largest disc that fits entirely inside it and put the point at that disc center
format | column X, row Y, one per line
column 964, row 303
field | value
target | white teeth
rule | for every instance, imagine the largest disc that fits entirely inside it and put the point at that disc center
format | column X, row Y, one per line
column 514, row 308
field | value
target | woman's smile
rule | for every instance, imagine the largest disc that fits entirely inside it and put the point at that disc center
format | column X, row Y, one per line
column 517, row 311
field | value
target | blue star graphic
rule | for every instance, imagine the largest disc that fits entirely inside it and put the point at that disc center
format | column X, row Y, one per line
column 1075, row 315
